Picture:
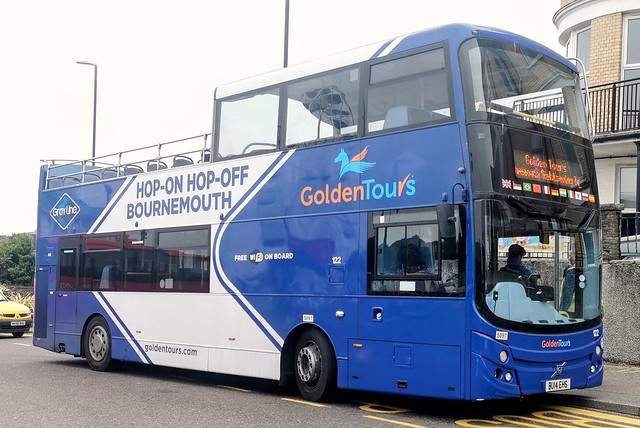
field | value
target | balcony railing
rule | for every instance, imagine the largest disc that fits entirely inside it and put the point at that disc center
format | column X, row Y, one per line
column 616, row 106
column 630, row 235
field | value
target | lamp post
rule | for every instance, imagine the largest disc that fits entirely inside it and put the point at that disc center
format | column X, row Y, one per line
column 95, row 98
column 286, row 33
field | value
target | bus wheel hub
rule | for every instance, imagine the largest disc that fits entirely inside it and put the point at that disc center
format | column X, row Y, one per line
column 97, row 344
column 308, row 363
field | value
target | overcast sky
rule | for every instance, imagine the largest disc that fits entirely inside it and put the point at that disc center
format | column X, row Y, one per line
column 160, row 61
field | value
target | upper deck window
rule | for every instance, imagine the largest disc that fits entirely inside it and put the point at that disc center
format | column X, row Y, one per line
column 323, row 107
column 411, row 90
column 503, row 81
column 249, row 123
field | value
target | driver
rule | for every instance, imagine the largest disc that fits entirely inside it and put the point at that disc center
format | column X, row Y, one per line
column 514, row 262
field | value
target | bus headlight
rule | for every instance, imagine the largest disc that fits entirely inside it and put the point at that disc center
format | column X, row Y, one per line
column 598, row 350
column 504, row 356
column 508, row 376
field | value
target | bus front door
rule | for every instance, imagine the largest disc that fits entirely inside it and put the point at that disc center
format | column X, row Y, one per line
column 44, row 311
column 66, row 292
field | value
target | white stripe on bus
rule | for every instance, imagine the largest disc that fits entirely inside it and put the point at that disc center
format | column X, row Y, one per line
column 228, row 220
column 392, row 46
column 102, row 300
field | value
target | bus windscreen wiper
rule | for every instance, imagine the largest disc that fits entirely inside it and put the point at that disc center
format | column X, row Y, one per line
column 522, row 205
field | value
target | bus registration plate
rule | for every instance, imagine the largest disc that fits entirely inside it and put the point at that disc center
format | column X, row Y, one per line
column 557, row 385
column 17, row 323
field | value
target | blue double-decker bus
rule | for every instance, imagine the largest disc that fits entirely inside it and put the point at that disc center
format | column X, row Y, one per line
column 418, row 216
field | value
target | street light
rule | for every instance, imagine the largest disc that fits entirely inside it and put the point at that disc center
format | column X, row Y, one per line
column 95, row 98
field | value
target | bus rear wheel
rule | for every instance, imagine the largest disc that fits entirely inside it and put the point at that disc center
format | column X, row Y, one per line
column 315, row 366
column 97, row 344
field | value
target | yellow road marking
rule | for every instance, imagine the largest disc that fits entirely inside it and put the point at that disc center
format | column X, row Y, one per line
column 531, row 422
column 379, row 408
column 308, row 403
column 559, row 416
column 391, row 421
column 22, row 344
column 233, row 388
column 606, row 417
column 476, row 423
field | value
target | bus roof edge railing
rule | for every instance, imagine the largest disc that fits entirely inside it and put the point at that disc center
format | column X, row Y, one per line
column 184, row 151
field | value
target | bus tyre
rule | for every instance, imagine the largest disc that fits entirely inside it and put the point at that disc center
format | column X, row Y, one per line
column 315, row 366
column 97, row 344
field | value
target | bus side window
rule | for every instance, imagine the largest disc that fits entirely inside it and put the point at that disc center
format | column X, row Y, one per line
column 68, row 266
column 323, row 107
column 238, row 128
column 409, row 91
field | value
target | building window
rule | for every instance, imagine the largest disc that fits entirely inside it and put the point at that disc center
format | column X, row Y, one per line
column 631, row 74
column 627, row 194
column 583, row 47
column 633, row 41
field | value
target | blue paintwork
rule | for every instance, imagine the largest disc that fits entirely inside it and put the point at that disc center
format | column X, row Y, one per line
column 531, row 363
column 437, row 347
column 456, row 34
column 71, row 335
column 396, row 157
column 86, row 196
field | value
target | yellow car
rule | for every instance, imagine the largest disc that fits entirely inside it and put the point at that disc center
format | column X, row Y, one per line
column 15, row 318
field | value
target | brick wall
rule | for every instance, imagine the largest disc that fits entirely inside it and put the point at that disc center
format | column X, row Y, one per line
column 610, row 223
column 606, row 49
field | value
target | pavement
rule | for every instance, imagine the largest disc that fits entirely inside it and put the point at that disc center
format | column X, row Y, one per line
column 619, row 392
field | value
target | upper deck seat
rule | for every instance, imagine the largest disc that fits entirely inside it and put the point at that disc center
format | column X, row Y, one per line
column 55, row 182
column 206, row 156
column 154, row 165
column 71, row 180
column 132, row 170
column 181, row 160
column 91, row 176
column 109, row 173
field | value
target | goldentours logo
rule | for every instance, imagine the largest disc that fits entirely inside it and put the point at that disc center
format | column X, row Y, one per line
column 556, row 343
column 367, row 189
column 64, row 211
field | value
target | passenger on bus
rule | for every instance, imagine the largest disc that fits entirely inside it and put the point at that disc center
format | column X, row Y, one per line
column 514, row 262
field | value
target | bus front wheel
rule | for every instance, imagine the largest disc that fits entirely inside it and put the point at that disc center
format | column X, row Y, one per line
column 315, row 366
column 97, row 344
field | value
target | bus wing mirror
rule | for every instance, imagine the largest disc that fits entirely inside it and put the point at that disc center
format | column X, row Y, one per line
column 446, row 220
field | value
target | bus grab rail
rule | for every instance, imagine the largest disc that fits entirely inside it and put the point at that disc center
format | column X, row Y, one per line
column 64, row 172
